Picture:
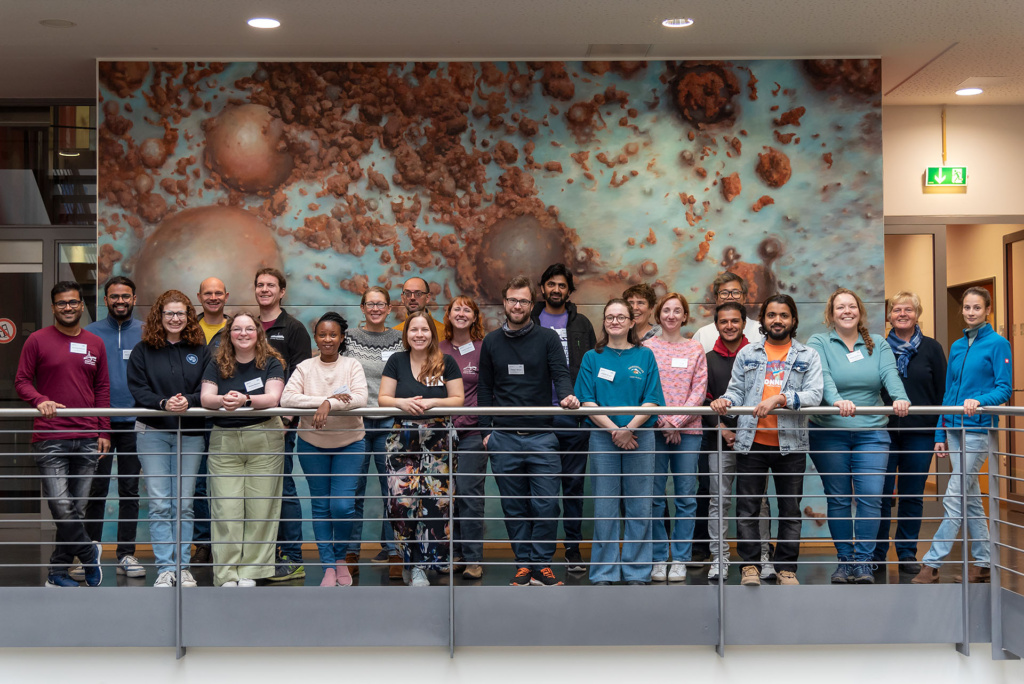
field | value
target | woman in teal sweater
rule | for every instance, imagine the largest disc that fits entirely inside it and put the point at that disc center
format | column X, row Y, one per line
column 852, row 455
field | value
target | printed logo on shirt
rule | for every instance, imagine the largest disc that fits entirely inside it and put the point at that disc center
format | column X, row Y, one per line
column 277, row 336
column 89, row 359
column 774, row 373
column 470, row 369
column 636, row 372
column 192, row 359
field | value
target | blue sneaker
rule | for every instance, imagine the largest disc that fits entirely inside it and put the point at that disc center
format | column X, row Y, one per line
column 94, row 572
column 59, row 579
column 863, row 573
column 843, row 573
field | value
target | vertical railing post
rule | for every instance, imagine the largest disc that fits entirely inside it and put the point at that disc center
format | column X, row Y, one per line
column 719, row 541
column 451, row 540
column 964, row 647
column 180, row 647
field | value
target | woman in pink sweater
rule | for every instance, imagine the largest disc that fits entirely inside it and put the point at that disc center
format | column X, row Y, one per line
column 330, row 446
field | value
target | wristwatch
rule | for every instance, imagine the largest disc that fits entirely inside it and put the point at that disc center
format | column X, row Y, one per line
column 248, row 401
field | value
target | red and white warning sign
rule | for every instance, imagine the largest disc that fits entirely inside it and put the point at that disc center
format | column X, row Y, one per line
column 7, row 330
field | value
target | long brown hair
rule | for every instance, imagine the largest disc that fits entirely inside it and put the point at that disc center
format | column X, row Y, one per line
column 433, row 368
column 862, row 327
column 224, row 357
column 153, row 332
column 476, row 331
column 631, row 336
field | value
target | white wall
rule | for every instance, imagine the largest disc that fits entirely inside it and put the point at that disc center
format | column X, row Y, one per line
column 988, row 140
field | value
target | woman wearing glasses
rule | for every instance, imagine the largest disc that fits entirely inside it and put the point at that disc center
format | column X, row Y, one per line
column 244, row 373
column 620, row 372
column 165, row 373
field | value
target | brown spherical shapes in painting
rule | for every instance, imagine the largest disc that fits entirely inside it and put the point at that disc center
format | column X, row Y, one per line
column 245, row 146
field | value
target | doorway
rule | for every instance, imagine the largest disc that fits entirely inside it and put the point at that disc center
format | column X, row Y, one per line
column 1013, row 267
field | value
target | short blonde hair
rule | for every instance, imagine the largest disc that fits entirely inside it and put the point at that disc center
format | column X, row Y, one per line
column 903, row 296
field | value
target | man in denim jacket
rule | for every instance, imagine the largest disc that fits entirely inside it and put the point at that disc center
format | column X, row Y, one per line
column 777, row 372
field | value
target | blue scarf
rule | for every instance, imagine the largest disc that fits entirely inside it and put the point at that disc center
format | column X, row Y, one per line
column 904, row 351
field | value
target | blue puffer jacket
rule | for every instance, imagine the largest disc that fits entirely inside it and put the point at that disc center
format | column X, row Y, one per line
column 982, row 371
column 119, row 339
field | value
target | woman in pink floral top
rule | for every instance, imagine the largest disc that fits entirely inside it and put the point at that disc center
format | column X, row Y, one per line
column 684, row 379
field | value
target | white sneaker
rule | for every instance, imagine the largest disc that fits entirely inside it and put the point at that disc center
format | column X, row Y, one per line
column 230, row 583
column 677, row 572
column 187, row 580
column 77, row 573
column 714, row 575
column 165, row 579
column 246, row 582
column 130, row 567
column 768, row 571
column 659, row 573
column 419, row 578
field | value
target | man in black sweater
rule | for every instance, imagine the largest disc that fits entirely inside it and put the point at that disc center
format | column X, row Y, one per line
column 577, row 336
column 519, row 364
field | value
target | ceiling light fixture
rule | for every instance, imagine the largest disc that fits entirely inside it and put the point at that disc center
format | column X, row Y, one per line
column 677, row 23
column 70, row 154
column 58, row 23
column 969, row 91
column 263, row 23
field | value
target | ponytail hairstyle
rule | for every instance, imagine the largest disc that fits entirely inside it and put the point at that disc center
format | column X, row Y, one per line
column 862, row 327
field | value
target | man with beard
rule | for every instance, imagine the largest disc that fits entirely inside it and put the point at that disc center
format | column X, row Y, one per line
column 776, row 372
column 213, row 296
column 577, row 336
column 518, row 366
column 120, row 333
column 64, row 366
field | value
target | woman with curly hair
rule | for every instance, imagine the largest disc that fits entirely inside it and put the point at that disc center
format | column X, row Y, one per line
column 245, row 372
column 853, row 453
column 165, row 372
column 415, row 380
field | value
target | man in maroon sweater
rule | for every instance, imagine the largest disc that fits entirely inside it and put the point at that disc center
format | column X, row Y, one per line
column 64, row 366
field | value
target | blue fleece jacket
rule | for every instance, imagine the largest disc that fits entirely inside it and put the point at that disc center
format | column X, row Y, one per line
column 119, row 339
column 981, row 370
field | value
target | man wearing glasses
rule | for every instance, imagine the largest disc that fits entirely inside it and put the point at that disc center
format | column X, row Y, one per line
column 519, row 364
column 64, row 366
column 415, row 295
column 120, row 333
column 728, row 287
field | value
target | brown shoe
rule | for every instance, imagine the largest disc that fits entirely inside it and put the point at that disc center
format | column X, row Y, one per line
column 751, row 576
column 460, row 564
column 976, row 575
column 787, row 577
column 928, row 575
column 352, row 561
column 395, row 567
column 473, row 572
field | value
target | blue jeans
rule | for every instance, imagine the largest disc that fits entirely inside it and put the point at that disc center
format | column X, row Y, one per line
column 526, row 468
column 289, row 531
column 159, row 459
column 376, row 440
column 977, row 523
column 913, row 466
column 67, row 467
column 623, row 474
column 333, row 477
column 682, row 460
column 852, row 464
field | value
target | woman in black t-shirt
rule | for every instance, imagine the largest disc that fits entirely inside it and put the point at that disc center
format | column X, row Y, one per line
column 414, row 381
column 246, row 373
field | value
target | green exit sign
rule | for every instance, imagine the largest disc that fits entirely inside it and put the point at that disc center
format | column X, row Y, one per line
column 946, row 175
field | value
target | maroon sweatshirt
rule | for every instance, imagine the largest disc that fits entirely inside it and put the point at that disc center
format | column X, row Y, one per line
column 70, row 371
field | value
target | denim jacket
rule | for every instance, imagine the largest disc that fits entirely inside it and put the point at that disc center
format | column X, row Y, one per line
column 802, row 386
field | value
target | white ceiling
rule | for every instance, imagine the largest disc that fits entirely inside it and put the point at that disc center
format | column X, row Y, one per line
column 927, row 47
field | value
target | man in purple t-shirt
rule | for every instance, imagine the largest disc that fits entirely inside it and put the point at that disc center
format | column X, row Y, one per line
column 64, row 366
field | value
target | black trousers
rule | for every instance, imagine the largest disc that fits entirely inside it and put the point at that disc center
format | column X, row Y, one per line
column 122, row 443
column 751, row 484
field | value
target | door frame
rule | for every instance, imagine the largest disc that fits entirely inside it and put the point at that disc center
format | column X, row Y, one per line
column 1014, row 441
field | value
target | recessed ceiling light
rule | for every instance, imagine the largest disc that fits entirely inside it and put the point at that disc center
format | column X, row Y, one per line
column 677, row 23
column 264, row 22
column 58, row 23
column 969, row 91
column 70, row 154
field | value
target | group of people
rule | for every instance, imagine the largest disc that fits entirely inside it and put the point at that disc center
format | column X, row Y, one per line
column 545, row 353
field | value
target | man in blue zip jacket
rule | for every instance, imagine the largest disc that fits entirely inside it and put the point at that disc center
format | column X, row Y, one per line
column 120, row 333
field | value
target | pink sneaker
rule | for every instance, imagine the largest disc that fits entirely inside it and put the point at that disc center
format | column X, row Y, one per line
column 330, row 578
column 344, row 577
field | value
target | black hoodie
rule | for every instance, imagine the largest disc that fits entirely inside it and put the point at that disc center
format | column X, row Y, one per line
column 158, row 374
column 579, row 335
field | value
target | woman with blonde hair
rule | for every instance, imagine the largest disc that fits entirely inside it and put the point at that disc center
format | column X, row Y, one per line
column 852, row 453
column 246, row 455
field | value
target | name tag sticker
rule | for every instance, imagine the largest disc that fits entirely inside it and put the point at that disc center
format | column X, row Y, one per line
column 606, row 374
column 467, row 348
column 680, row 363
column 515, row 369
column 341, row 390
column 79, row 348
column 254, row 384
column 126, row 353
column 854, row 356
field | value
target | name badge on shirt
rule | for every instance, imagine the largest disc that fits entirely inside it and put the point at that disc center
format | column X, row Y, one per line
column 854, row 356
column 254, row 384
column 341, row 390
column 79, row 348
column 385, row 355
column 680, row 363
column 515, row 369
column 126, row 353
column 606, row 374
column 467, row 348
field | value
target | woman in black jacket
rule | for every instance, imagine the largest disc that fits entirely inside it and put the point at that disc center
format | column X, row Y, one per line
column 922, row 367
column 165, row 372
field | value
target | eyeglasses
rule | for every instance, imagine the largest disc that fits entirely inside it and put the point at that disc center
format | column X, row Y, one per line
column 616, row 319
column 68, row 304
column 414, row 294
column 375, row 305
column 238, row 331
column 175, row 314
column 120, row 297
column 517, row 302
column 730, row 294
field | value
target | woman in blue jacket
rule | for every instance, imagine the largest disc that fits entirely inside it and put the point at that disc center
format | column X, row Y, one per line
column 979, row 374
column 620, row 372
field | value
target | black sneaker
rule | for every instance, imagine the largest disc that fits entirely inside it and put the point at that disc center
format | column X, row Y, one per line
column 544, row 578
column 573, row 560
column 521, row 578
column 286, row 570
column 381, row 557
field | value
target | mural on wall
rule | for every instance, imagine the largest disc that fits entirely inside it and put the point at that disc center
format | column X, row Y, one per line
column 353, row 174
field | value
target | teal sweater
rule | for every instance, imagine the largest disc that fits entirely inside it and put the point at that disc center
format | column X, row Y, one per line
column 860, row 381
